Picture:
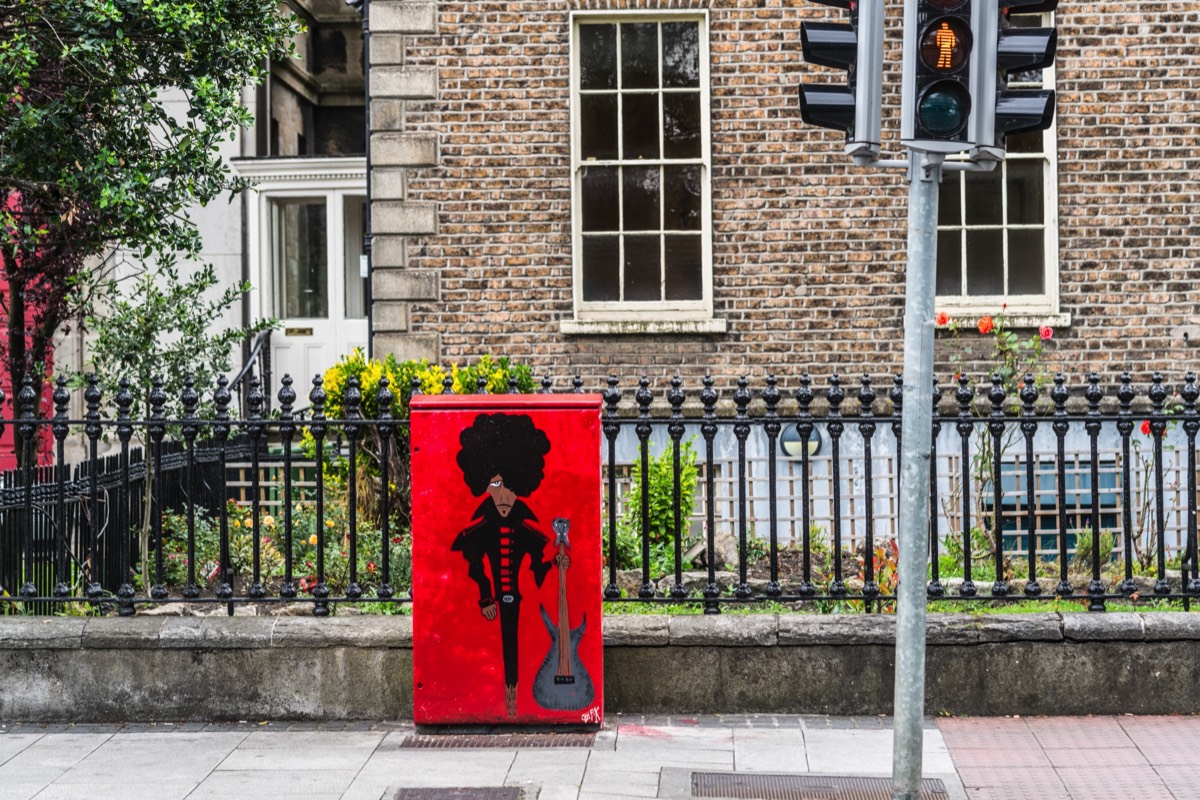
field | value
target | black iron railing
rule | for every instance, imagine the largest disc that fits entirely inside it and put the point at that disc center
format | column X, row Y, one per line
column 748, row 496
column 256, row 365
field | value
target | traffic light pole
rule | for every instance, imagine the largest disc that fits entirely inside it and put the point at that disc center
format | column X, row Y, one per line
column 925, row 171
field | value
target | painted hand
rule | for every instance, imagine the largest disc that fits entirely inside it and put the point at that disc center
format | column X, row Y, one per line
column 489, row 612
column 563, row 560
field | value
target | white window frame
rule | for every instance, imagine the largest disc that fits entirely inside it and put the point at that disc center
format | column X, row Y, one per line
column 1021, row 310
column 692, row 316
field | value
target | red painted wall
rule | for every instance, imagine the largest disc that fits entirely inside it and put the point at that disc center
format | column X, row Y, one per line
column 8, row 410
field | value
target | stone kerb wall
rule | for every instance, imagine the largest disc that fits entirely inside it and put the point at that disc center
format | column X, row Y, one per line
column 261, row 668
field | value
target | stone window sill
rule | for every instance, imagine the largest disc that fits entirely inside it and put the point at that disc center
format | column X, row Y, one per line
column 578, row 327
column 1013, row 321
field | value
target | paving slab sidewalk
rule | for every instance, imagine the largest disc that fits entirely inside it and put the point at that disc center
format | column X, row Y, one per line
column 1088, row 758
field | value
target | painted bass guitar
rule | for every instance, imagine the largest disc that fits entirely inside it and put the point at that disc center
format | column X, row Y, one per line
column 562, row 682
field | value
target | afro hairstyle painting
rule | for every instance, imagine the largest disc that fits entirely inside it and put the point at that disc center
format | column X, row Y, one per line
column 508, row 445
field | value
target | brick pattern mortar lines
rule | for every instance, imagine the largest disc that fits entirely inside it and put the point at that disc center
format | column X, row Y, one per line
column 808, row 251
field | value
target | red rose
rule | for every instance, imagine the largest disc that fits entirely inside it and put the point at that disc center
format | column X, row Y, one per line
column 1046, row 332
column 942, row 319
column 1146, row 427
column 986, row 325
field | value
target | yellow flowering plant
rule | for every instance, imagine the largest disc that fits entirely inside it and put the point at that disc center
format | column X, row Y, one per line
column 494, row 374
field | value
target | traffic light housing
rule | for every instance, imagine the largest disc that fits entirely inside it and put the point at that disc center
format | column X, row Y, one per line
column 936, row 101
column 1001, row 49
column 856, row 46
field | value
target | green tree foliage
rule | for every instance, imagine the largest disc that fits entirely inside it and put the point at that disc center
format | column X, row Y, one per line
column 95, row 152
column 161, row 323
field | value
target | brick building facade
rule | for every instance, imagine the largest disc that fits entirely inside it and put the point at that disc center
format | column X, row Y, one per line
column 503, row 135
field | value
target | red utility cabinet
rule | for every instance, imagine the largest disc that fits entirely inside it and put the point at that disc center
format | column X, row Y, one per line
column 506, row 564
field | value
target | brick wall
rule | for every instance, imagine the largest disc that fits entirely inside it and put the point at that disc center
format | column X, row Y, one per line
column 808, row 251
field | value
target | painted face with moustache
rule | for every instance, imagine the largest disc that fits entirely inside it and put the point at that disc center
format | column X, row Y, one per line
column 501, row 495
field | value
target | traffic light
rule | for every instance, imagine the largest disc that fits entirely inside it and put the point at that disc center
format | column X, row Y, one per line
column 856, row 46
column 1001, row 49
column 936, row 102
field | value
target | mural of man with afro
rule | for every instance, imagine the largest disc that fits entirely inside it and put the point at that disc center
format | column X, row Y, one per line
column 503, row 455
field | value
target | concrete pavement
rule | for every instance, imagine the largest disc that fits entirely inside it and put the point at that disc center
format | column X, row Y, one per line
column 632, row 757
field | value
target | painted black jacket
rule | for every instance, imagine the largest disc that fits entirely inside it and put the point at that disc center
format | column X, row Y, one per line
column 505, row 542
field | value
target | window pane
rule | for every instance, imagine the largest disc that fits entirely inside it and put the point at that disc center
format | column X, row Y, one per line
column 598, row 56
column 640, row 135
column 598, row 126
column 684, row 268
column 354, row 268
column 950, row 199
column 985, row 262
column 301, row 259
column 599, row 201
column 1026, row 262
column 601, row 268
column 681, row 125
column 640, row 187
column 639, row 55
column 1025, row 192
column 681, row 198
column 681, row 54
column 1017, row 20
column 643, row 265
column 984, row 201
column 949, row 263
column 639, row 108
column 1024, row 142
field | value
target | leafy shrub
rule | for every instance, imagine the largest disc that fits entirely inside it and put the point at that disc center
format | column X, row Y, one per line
column 1083, row 549
column 661, row 532
column 175, row 563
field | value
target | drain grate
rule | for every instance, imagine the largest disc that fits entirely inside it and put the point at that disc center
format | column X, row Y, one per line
column 476, row 741
column 479, row 793
column 803, row 787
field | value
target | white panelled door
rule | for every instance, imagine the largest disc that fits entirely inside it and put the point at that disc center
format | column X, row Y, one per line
column 306, row 227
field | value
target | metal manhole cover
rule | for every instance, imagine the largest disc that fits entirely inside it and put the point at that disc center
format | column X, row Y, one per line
column 478, row 793
column 472, row 741
column 803, row 787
